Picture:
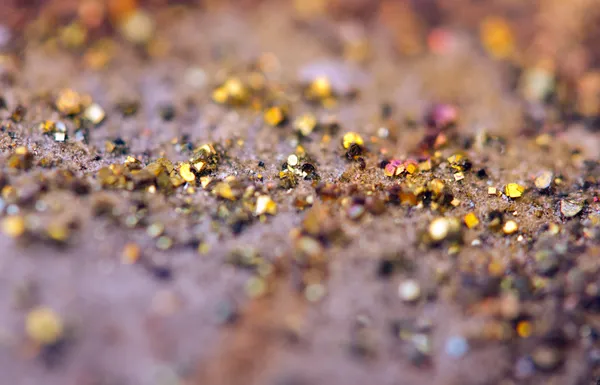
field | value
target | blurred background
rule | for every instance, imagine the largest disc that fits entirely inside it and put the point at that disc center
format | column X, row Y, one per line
column 555, row 42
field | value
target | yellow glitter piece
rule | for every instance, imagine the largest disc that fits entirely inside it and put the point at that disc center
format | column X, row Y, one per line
column 274, row 116
column 471, row 220
column 13, row 226
column 43, row 325
column 351, row 138
column 320, row 89
column 223, row 190
column 219, row 95
column 524, row 329
column 305, row 124
column 510, row 227
column 497, row 37
column 514, row 190
column 131, row 253
column 265, row 205
column 186, row 172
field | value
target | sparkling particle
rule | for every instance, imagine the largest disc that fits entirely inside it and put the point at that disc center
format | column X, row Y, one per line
column 195, row 77
column 546, row 358
column 441, row 116
column 471, row 220
column 223, row 190
column 43, row 325
column 164, row 243
column 569, row 208
column 355, row 211
column 544, row 180
column 233, row 92
column 514, row 190
column 305, row 124
column 186, row 173
column 351, row 138
column 94, row 113
column 409, row 290
column 137, row 27
column 13, row 226
column 131, row 253
column 60, row 137
column 315, row 292
column 68, row 102
column 275, row 116
column 256, row 287
column 524, row 329
column 442, row 228
column 510, row 227
column 292, row 160
column 155, row 229
column 497, row 37
column 58, row 231
column 456, row 346
column 47, row 127
column 265, row 205
column 320, row 88
column 492, row 191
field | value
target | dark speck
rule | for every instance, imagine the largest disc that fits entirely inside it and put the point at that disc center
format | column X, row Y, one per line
column 385, row 268
column 162, row 273
column 386, row 110
column 481, row 173
column 308, row 168
column 361, row 163
column 261, row 164
column 128, row 108
column 354, row 151
column 167, row 112
column 238, row 227
column 119, row 142
column 54, row 354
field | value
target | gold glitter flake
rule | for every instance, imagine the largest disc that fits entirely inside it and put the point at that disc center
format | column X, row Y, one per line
column 514, row 190
column 186, row 172
column 58, row 231
column 319, row 89
column 275, row 116
column 68, row 102
column 13, row 226
column 305, row 124
column 43, row 325
column 265, row 205
column 223, row 190
column 544, row 180
column 497, row 37
column 351, row 138
column 442, row 228
column 471, row 220
column 510, row 227
column 94, row 113
column 233, row 91
column 131, row 253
